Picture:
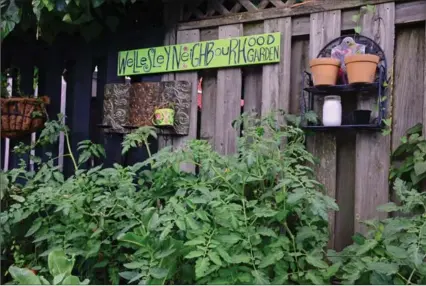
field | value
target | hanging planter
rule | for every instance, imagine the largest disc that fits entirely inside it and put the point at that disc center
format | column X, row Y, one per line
column 164, row 117
column 324, row 70
column 361, row 68
column 21, row 115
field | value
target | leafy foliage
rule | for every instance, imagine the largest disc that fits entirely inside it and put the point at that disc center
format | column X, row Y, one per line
column 409, row 159
column 258, row 216
column 394, row 250
column 60, row 268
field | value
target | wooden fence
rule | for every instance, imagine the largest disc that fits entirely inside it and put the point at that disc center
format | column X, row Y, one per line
column 353, row 166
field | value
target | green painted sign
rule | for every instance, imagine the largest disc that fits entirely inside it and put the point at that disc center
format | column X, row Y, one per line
column 249, row 50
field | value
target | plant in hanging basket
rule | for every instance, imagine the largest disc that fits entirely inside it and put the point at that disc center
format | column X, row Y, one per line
column 22, row 115
column 164, row 115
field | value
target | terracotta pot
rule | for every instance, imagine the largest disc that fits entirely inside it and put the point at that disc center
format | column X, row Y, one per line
column 361, row 68
column 324, row 70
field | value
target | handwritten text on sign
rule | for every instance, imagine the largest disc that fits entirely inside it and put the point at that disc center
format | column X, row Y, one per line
column 257, row 49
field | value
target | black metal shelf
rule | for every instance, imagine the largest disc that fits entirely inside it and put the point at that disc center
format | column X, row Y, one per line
column 366, row 127
column 344, row 89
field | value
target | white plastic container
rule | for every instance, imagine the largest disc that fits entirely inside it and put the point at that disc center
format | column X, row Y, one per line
column 332, row 111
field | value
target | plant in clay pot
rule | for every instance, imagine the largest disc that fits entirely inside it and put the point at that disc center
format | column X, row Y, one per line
column 21, row 114
column 164, row 115
column 361, row 68
column 324, row 70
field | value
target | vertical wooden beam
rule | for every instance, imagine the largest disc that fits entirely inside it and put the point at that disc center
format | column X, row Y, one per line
column 228, row 104
column 325, row 26
column 79, row 100
column 112, row 141
column 424, row 97
column 372, row 149
column 252, row 76
column 409, row 79
column 209, row 91
column 276, row 77
column 299, row 63
column 171, row 17
column 189, row 36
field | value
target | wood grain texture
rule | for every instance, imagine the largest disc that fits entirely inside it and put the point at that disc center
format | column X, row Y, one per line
column 409, row 81
column 170, row 18
column 413, row 11
column 252, row 76
column 299, row 63
column 325, row 26
column 372, row 149
column 228, row 103
column 276, row 77
column 209, row 92
column 424, row 91
column 189, row 36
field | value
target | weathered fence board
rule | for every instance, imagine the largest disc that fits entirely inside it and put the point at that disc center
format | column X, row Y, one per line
column 252, row 76
column 372, row 149
column 209, row 92
column 408, row 81
column 228, row 104
column 325, row 26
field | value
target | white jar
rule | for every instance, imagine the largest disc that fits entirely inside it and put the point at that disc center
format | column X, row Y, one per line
column 332, row 111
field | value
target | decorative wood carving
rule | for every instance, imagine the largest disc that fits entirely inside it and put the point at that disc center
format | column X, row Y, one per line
column 127, row 107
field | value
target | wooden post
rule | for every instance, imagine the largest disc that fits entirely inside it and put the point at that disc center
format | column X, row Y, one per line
column 79, row 100
column 325, row 26
column 189, row 36
column 209, row 93
column 228, row 101
column 372, row 149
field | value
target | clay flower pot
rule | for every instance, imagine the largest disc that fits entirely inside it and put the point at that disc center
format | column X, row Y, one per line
column 361, row 68
column 163, row 117
column 324, row 70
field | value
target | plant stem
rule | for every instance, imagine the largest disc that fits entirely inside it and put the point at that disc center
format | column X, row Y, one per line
column 70, row 151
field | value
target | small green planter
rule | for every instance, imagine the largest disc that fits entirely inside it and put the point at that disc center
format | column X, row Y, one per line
column 164, row 117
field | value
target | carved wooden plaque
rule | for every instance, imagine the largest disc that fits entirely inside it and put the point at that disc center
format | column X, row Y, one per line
column 116, row 107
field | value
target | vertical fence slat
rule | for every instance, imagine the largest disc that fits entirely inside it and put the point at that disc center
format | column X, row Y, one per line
column 424, row 97
column 228, row 104
column 299, row 63
column 325, row 26
column 209, row 92
column 189, row 36
column 408, row 83
column 79, row 100
column 372, row 149
column 112, row 141
column 252, row 76
column 285, row 27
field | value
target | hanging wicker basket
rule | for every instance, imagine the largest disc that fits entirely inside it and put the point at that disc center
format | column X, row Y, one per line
column 21, row 116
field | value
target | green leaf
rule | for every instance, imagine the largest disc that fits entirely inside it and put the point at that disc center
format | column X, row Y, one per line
column 24, row 276
column 295, row 197
column 71, row 280
column 396, row 251
column 58, row 278
column 59, row 263
column 241, row 258
column 315, row 279
column 224, row 254
column 316, row 261
column 97, row 3
column 358, row 29
column 355, row 18
column 367, row 246
column 36, row 226
column 332, row 270
column 67, row 18
column 134, row 265
column 389, row 207
column 164, row 253
column 229, row 239
column 158, row 273
column 383, row 267
column 196, row 241
column 260, row 278
column 264, row 231
column 194, row 254
column 166, row 232
column 420, row 168
column 271, row 259
column 128, row 275
column 58, row 177
column 214, row 257
column 18, row 198
column 201, row 267
column 132, row 238
column 49, row 4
